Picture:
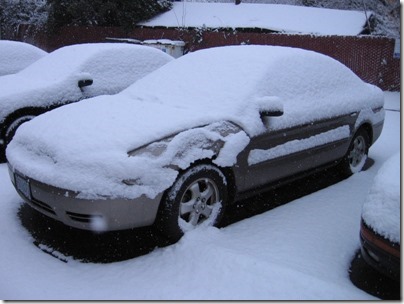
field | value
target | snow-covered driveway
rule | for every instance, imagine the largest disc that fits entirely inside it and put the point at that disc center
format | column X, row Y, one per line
column 301, row 250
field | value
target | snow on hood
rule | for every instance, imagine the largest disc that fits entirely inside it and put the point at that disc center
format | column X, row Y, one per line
column 16, row 56
column 85, row 145
column 282, row 18
column 53, row 79
column 381, row 210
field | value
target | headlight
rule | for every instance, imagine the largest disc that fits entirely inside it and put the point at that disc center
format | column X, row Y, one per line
column 154, row 149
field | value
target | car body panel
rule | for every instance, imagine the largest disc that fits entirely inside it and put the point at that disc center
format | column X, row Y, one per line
column 96, row 215
column 289, row 161
column 380, row 253
column 120, row 213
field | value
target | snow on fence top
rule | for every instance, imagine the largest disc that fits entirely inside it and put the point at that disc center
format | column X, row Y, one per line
column 275, row 17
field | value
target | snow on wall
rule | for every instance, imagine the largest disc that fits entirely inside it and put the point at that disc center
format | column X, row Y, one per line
column 282, row 18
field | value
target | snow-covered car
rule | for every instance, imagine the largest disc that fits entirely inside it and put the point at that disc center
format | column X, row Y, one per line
column 70, row 74
column 221, row 124
column 380, row 224
column 16, row 56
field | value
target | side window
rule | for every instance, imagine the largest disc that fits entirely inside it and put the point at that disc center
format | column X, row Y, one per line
column 109, row 72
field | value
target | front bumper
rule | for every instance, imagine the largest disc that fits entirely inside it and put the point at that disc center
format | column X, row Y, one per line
column 107, row 214
column 379, row 253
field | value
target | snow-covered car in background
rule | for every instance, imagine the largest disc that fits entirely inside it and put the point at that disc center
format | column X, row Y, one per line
column 220, row 124
column 70, row 74
column 380, row 224
column 16, row 56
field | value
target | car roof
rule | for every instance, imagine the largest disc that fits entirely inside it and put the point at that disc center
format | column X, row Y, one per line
column 16, row 55
column 235, row 79
column 69, row 59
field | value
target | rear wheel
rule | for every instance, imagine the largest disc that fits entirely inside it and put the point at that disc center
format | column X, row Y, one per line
column 357, row 154
column 198, row 197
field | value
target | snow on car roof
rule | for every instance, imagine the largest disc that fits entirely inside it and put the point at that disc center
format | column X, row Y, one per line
column 234, row 82
column 381, row 210
column 69, row 59
column 282, row 18
column 226, row 83
column 16, row 55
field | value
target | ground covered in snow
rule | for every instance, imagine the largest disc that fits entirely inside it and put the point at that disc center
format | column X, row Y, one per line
column 301, row 250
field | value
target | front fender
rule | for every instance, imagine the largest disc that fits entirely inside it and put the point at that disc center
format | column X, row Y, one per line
column 221, row 141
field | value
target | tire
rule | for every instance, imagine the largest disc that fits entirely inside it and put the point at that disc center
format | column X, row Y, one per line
column 357, row 154
column 10, row 132
column 12, row 128
column 197, row 198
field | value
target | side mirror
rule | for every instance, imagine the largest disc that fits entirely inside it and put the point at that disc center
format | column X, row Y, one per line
column 272, row 113
column 270, row 106
column 84, row 83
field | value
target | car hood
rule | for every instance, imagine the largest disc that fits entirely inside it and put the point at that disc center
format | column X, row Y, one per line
column 85, row 146
column 18, row 91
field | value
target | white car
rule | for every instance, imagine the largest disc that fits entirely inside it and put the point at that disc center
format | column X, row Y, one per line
column 203, row 131
column 16, row 56
column 70, row 74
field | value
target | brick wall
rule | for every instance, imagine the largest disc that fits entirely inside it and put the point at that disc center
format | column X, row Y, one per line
column 371, row 58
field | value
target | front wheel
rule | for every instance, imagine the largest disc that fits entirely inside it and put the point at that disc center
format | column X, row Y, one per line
column 198, row 197
column 357, row 154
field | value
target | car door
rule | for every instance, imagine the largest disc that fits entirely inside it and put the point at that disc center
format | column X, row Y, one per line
column 279, row 154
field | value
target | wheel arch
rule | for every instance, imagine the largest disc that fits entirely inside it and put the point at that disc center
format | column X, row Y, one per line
column 27, row 111
column 164, row 221
column 367, row 127
column 228, row 172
